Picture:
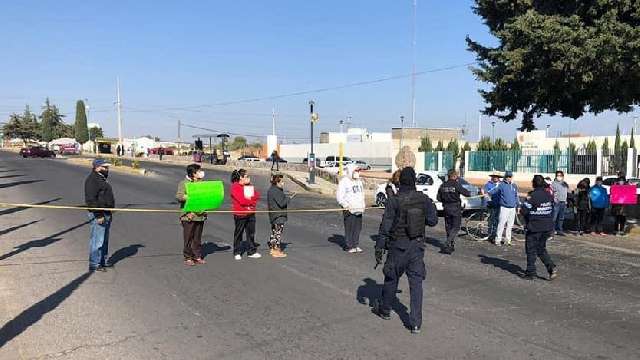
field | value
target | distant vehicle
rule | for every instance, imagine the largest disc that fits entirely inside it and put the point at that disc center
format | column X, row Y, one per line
column 362, row 165
column 248, row 158
column 70, row 149
column 155, row 151
column 611, row 180
column 332, row 161
column 429, row 182
column 36, row 151
column 280, row 160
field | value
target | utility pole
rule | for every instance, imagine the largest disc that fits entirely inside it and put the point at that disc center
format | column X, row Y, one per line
column 479, row 127
column 493, row 131
column 273, row 121
column 119, row 109
column 179, row 132
column 311, row 160
column 86, row 106
column 401, row 131
column 547, row 132
column 413, row 67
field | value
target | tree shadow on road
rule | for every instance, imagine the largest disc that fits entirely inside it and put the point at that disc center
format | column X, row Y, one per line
column 338, row 240
column 123, row 253
column 17, row 209
column 14, row 228
column 371, row 293
column 41, row 242
column 11, row 176
column 33, row 314
column 503, row 264
column 16, row 183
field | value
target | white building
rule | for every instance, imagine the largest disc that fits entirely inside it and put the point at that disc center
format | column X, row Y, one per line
column 538, row 140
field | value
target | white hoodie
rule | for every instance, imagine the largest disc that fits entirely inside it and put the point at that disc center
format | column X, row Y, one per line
column 351, row 192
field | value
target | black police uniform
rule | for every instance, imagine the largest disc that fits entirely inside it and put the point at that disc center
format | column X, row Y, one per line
column 449, row 195
column 538, row 214
column 402, row 232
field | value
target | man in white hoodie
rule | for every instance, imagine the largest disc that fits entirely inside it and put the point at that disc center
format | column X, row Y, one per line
column 351, row 197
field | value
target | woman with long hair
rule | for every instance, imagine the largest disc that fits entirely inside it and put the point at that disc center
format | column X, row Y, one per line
column 244, row 198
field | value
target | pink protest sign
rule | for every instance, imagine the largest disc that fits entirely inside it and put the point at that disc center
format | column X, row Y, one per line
column 623, row 195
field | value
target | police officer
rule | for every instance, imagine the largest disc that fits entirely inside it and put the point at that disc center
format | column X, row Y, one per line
column 538, row 215
column 449, row 195
column 402, row 232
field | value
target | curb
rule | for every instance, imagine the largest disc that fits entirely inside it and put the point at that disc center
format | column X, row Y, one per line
column 304, row 185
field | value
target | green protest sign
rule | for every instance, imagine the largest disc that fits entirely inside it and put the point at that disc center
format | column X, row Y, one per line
column 204, row 195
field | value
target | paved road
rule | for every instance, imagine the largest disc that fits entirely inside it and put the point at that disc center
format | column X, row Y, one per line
column 311, row 305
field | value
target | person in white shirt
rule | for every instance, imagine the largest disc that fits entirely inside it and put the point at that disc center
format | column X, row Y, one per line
column 350, row 196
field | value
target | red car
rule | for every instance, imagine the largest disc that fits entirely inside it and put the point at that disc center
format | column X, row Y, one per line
column 36, row 151
column 155, row 151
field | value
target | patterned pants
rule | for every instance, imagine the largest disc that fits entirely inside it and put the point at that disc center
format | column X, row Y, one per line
column 276, row 235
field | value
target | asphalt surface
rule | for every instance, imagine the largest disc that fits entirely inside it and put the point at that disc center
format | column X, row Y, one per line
column 312, row 305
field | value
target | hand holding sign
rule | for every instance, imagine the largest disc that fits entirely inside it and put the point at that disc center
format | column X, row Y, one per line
column 203, row 196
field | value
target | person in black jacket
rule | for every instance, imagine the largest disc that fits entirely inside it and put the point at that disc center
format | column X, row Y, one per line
column 277, row 202
column 449, row 195
column 99, row 194
column 583, row 207
column 402, row 232
column 538, row 215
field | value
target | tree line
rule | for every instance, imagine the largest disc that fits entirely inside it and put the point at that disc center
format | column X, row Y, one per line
column 49, row 125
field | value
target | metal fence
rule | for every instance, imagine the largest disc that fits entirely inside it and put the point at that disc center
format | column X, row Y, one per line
column 431, row 161
column 613, row 162
column 448, row 162
column 571, row 162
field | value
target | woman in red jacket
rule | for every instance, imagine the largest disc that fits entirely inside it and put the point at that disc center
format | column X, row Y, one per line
column 244, row 198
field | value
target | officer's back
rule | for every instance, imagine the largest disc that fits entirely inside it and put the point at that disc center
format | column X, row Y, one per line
column 450, row 191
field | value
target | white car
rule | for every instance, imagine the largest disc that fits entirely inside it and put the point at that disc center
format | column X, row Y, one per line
column 429, row 182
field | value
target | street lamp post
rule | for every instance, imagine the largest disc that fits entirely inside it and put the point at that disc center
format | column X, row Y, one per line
column 547, row 132
column 493, row 131
column 312, row 158
column 401, row 131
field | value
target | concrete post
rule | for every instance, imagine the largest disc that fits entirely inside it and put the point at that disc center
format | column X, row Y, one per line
column 466, row 162
column 631, row 162
column 599, row 162
column 440, row 161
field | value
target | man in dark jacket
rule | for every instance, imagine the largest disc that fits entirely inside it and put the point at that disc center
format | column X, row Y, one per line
column 538, row 215
column 449, row 195
column 402, row 232
column 99, row 194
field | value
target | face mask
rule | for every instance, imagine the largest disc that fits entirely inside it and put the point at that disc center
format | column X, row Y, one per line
column 105, row 173
column 356, row 175
column 560, row 178
column 200, row 174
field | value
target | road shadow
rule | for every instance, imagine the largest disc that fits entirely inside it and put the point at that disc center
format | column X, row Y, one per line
column 14, row 228
column 41, row 242
column 338, row 240
column 371, row 293
column 209, row 248
column 33, row 314
column 505, row 265
column 123, row 253
column 434, row 242
column 17, row 209
column 11, row 176
column 17, row 183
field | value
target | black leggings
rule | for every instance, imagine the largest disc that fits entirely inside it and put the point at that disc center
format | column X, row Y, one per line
column 597, row 218
column 621, row 220
column 244, row 225
column 583, row 220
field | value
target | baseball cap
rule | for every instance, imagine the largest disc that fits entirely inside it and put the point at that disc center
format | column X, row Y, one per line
column 100, row 162
column 508, row 174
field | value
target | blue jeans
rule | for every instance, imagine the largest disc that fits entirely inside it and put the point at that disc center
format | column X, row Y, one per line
column 99, row 241
column 494, row 216
column 558, row 215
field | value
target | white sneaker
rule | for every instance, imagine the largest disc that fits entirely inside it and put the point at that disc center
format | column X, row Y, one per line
column 358, row 249
column 238, row 257
column 352, row 251
column 255, row 256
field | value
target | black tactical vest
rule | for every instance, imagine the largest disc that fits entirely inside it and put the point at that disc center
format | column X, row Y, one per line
column 411, row 221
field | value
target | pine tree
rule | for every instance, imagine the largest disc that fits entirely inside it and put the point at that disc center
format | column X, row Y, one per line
column 624, row 147
column 617, row 144
column 556, row 147
column 632, row 142
column 52, row 126
column 499, row 144
column 425, row 145
column 605, row 147
column 81, row 130
column 591, row 147
column 454, row 148
column 515, row 145
column 485, row 144
column 439, row 147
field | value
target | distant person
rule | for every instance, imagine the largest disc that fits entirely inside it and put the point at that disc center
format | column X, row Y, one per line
column 275, row 161
column 278, row 203
column 99, row 194
column 560, row 191
column 618, row 210
column 161, row 153
column 599, row 204
column 350, row 196
column 493, row 206
column 118, row 148
column 244, row 198
column 192, row 223
column 537, row 211
column 449, row 195
column 509, row 201
column 583, row 207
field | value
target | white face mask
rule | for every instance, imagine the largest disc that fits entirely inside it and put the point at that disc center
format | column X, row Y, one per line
column 200, row 174
column 356, row 175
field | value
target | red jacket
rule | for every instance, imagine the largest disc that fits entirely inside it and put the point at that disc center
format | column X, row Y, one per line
column 240, row 204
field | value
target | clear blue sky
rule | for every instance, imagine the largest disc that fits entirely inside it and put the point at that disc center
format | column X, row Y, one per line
column 171, row 54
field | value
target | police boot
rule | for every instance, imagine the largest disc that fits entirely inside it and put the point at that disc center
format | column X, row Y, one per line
column 415, row 330
column 376, row 308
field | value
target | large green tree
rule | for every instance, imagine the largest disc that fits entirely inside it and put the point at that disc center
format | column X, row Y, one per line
column 95, row 133
column 23, row 126
column 425, row 145
column 52, row 126
column 81, row 130
column 558, row 57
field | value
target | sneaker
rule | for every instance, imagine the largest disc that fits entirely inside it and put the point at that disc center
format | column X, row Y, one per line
column 553, row 273
column 508, row 243
column 277, row 253
column 238, row 257
column 358, row 249
column 415, row 330
column 255, row 256
column 484, row 238
column 352, row 251
column 199, row 261
column 550, row 238
column 603, row 234
column 189, row 262
column 496, row 243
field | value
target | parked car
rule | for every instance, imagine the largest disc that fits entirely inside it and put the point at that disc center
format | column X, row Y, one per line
column 332, row 161
column 611, row 180
column 280, row 160
column 36, row 151
column 68, row 150
column 305, row 161
column 248, row 158
column 362, row 165
column 155, row 151
column 429, row 182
